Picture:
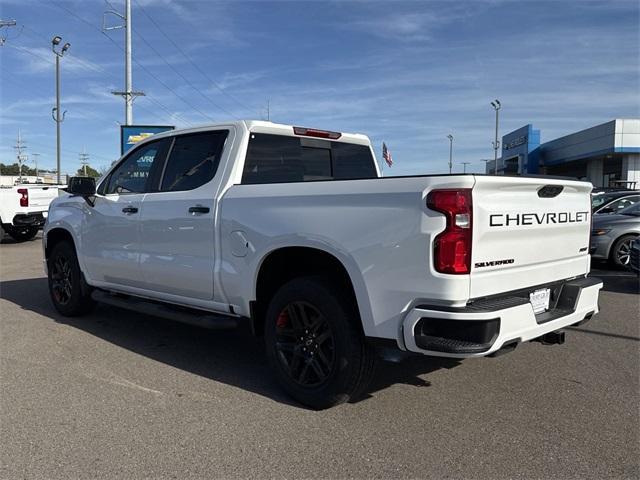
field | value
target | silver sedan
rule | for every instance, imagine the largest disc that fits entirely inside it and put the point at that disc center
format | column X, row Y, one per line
column 611, row 235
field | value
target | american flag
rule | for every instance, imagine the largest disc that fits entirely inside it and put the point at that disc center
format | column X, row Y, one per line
column 386, row 154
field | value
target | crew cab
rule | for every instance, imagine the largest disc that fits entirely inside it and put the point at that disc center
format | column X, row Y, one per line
column 23, row 209
column 293, row 230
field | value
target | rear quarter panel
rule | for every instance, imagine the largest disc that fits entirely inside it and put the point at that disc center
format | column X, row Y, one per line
column 380, row 229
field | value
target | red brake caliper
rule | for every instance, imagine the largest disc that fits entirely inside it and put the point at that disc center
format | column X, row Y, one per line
column 283, row 319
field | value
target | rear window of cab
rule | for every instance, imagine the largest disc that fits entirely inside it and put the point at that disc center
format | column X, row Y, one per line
column 278, row 159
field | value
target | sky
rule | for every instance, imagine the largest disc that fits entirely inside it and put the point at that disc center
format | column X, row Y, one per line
column 406, row 73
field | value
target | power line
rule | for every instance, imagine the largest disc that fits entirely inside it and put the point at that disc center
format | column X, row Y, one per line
column 177, row 72
column 84, row 160
column 21, row 157
column 171, row 114
column 70, row 12
column 35, row 161
column 97, row 69
column 33, row 54
column 195, row 65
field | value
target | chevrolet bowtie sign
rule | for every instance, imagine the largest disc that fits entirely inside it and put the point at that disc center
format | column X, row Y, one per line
column 130, row 135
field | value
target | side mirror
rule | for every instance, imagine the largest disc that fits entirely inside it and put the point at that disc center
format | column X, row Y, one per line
column 83, row 186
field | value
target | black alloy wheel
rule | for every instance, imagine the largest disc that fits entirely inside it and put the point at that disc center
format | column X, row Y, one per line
column 70, row 294
column 61, row 281
column 305, row 344
column 315, row 343
column 622, row 251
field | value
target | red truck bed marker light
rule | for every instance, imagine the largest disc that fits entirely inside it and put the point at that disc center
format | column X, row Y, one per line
column 452, row 248
column 24, row 199
column 312, row 132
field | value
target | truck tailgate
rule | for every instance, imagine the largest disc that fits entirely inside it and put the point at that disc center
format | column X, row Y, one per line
column 528, row 232
column 41, row 197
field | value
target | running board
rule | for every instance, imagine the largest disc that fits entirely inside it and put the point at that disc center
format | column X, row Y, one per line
column 197, row 318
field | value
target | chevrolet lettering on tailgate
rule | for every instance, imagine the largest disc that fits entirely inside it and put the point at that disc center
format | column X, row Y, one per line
column 517, row 219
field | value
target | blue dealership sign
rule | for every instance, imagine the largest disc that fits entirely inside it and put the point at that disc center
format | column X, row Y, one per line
column 132, row 134
column 520, row 151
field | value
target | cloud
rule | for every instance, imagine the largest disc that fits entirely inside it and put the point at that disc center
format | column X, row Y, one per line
column 40, row 59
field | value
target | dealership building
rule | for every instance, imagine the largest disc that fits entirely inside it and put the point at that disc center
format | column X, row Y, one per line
column 606, row 155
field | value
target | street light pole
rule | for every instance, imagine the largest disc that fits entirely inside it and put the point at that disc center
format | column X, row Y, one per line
column 450, row 137
column 496, row 144
column 56, row 110
column 464, row 166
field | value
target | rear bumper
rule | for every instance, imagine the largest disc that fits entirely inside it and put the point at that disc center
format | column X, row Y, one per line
column 600, row 246
column 32, row 219
column 487, row 326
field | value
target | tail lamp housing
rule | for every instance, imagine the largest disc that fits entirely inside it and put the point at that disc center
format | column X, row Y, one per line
column 24, row 198
column 452, row 247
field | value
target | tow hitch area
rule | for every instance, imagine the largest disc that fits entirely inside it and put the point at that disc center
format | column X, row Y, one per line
column 551, row 338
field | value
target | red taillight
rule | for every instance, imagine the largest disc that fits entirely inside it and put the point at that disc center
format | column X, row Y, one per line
column 24, row 199
column 452, row 248
column 312, row 132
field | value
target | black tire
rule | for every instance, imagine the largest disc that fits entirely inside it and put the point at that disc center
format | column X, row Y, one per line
column 620, row 251
column 69, row 293
column 22, row 234
column 309, row 316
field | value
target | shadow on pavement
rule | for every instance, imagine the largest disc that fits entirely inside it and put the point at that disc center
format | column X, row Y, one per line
column 619, row 282
column 233, row 357
column 604, row 334
column 615, row 280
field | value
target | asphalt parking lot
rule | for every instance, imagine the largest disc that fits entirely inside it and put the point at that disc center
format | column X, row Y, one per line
column 118, row 394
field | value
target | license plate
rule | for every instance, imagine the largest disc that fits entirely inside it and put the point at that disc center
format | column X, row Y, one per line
column 540, row 300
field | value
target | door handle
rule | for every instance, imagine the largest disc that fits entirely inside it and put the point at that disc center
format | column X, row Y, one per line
column 198, row 209
column 129, row 210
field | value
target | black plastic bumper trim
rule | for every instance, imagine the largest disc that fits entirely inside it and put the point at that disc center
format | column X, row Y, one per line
column 29, row 219
column 456, row 336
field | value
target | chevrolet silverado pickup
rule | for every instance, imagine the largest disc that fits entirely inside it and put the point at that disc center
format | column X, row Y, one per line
column 294, row 230
column 23, row 209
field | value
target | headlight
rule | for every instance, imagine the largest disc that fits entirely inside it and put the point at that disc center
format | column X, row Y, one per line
column 600, row 231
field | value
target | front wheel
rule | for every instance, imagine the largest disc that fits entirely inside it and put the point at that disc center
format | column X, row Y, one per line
column 22, row 234
column 621, row 251
column 69, row 294
column 314, row 343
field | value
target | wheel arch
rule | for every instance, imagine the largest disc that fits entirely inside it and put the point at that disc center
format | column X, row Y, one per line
column 283, row 264
column 55, row 236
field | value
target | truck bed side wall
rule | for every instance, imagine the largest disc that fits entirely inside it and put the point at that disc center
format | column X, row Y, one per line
column 380, row 230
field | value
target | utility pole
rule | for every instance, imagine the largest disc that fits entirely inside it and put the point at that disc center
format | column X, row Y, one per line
column 84, row 160
column 450, row 137
column 128, row 94
column 268, row 110
column 496, row 143
column 55, row 112
column 464, row 166
column 20, row 156
column 35, row 161
column 6, row 23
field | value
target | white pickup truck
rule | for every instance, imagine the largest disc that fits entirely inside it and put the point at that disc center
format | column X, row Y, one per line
column 292, row 229
column 23, row 209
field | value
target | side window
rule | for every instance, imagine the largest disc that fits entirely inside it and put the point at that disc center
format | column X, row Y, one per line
column 193, row 160
column 623, row 203
column 279, row 158
column 136, row 173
